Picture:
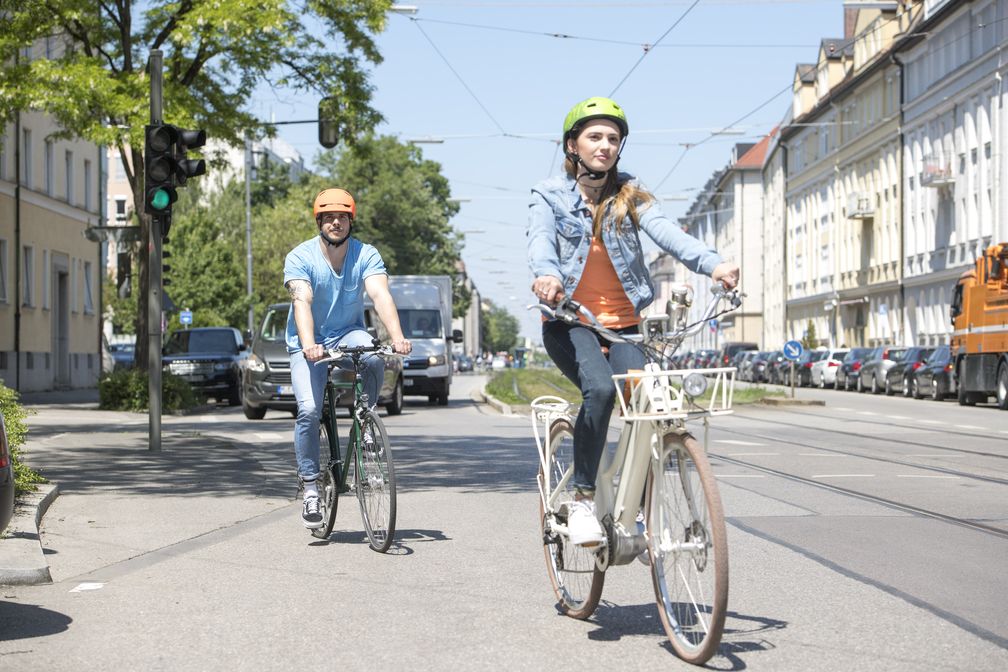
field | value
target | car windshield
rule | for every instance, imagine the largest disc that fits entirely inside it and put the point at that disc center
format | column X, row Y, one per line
column 897, row 355
column 940, row 356
column 417, row 323
column 274, row 327
column 187, row 342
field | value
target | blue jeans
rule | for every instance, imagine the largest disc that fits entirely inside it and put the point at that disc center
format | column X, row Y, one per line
column 578, row 354
column 308, row 381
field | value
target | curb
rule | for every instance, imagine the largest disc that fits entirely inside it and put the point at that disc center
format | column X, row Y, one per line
column 777, row 401
column 22, row 561
column 502, row 408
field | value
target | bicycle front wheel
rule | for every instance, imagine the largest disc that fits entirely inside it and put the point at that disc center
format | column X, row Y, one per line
column 688, row 547
column 327, row 485
column 375, row 483
column 577, row 580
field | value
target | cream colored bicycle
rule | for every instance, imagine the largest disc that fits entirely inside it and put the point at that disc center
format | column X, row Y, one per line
column 657, row 461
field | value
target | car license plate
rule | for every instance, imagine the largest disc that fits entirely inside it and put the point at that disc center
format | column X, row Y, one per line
column 285, row 389
column 407, row 382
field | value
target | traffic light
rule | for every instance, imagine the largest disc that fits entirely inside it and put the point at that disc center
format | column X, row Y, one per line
column 328, row 130
column 123, row 274
column 159, row 170
column 165, row 268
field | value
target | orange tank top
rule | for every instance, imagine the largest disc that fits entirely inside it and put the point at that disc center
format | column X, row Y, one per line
column 601, row 291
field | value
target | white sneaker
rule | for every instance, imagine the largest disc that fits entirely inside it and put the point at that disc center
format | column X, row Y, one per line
column 311, row 513
column 582, row 525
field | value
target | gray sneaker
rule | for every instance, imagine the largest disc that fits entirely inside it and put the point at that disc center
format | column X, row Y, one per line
column 311, row 513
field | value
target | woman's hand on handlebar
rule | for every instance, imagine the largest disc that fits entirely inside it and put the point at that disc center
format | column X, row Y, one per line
column 727, row 274
column 548, row 289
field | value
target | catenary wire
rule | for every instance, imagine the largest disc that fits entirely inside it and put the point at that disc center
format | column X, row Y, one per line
column 647, row 48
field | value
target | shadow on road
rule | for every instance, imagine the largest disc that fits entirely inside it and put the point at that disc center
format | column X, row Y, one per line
column 24, row 621
column 479, row 463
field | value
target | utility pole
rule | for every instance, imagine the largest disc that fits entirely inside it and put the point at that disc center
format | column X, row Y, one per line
column 248, row 230
column 154, row 243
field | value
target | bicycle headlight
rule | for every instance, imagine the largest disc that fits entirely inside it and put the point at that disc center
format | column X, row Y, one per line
column 694, row 385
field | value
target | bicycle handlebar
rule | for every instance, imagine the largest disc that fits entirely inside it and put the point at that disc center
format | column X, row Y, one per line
column 333, row 354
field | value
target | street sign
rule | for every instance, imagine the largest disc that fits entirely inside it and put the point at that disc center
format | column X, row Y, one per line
column 792, row 350
column 713, row 325
column 185, row 317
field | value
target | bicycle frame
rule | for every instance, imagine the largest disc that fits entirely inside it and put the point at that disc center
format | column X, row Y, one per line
column 340, row 463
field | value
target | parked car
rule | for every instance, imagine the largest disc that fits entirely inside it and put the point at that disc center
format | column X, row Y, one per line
column 266, row 380
column 746, row 363
column 824, row 371
column 803, row 367
column 6, row 478
column 847, row 374
column 209, row 359
column 876, row 365
column 902, row 377
column 122, row 355
column 935, row 377
column 728, row 351
column 756, row 372
column 776, row 364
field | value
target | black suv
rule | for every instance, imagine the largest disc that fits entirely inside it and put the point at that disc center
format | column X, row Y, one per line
column 210, row 359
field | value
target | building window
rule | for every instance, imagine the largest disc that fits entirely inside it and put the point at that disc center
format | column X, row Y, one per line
column 47, row 167
column 26, row 158
column 3, row 163
column 28, row 264
column 3, row 271
column 88, row 201
column 120, row 208
column 120, row 169
column 73, row 285
column 69, row 186
column 88, row 290
column 45, row 279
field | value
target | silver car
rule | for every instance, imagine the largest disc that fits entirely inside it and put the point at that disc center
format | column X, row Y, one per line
column 824, row 370
column 877, row 365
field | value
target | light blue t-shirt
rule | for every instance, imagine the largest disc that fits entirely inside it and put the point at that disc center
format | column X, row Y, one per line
column 337, row 299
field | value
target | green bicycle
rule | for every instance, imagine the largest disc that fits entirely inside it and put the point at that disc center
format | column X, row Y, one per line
column 367, row 467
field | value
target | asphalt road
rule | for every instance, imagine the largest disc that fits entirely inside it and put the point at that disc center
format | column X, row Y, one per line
column 867, row 534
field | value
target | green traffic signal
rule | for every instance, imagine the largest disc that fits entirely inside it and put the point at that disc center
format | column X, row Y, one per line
column 160, row 199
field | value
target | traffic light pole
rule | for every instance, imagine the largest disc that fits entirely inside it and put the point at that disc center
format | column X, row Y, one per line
column 154, row 276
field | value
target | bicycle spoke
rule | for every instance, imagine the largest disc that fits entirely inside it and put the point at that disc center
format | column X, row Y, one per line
column 375, row 483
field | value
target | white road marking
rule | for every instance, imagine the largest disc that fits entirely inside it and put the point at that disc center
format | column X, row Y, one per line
column 740, row 476
column 842, row 476
column 271, row 436
column 822, row 455
column 897, row 417
column 968, row 427
column 867, row 413
column 733, row 442
column 932, row 422
column 841, row 408
column 751, row 454
column 81, row 587
column 930, row 455
column 923, row 476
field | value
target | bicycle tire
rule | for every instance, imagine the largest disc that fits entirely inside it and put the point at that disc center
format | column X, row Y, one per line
column 375, row 483
column 573, row 571
column 693, row 604
column 327, row 486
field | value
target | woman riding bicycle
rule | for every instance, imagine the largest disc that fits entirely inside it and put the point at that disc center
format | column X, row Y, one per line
column 326, row 278
column 583, row 241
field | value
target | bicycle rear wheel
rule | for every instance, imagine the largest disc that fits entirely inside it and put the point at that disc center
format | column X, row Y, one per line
column 689, row 548
column 375, row 483
column 577, row 580
column 327, row 485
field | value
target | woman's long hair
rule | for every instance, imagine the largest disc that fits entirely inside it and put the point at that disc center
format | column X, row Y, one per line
column 616, row 200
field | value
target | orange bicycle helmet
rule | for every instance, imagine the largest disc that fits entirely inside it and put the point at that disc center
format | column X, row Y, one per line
column 335, row 200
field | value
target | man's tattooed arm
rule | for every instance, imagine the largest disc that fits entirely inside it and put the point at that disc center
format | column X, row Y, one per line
column 300, row 290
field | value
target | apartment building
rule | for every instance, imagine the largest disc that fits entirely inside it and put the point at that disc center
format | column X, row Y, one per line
column 50, row 284
column 955, row 132
column 843, row 231
column 773, row 254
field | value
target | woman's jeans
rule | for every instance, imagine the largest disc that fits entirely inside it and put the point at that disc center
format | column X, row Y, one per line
column 308, row 381
column 578, row 354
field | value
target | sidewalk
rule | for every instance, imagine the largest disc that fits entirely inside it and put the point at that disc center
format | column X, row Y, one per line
column 110, row 497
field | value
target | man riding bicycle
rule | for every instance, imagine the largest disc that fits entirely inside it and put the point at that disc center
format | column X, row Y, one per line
column 326, row 277
column 583, row 241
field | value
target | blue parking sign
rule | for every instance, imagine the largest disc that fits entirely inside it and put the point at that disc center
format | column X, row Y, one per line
column 792, row 350
column 185, row 317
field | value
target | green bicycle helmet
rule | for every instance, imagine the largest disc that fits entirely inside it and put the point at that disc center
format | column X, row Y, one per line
column 595, row 108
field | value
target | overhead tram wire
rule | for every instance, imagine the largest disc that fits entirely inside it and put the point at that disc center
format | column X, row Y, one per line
column 459, row 77
column 648, row 48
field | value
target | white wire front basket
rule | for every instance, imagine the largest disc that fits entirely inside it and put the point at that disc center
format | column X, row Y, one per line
column 655, row 394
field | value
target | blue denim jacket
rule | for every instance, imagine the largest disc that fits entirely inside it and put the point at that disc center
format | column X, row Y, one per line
column 559, row 237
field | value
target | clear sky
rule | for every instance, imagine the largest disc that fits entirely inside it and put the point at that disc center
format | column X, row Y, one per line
column 476, row 73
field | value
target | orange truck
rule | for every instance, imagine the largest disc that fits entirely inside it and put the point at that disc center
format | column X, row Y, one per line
column 979, row 312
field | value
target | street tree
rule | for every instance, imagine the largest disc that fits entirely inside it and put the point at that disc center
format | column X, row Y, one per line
column 500, row 328
column 216, row 54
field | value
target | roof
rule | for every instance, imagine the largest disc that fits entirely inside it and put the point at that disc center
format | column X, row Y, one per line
column 806, row 72
column 755, row 156
column 836, row 47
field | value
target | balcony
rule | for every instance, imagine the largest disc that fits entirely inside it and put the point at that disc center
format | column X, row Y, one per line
column 860, row 206
column 936, row 174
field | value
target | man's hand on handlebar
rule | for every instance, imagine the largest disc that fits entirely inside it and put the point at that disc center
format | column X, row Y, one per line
column 314, row 353
column 402, row 346
column 727, row 274
column 548, row 289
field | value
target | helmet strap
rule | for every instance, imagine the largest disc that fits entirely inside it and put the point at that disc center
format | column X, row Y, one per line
column 331, row 242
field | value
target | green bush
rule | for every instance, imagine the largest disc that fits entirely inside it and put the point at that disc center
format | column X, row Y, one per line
column 26, row 479
column 126, row 390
